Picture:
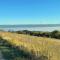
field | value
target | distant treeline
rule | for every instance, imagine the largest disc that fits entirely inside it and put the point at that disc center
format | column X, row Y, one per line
column 53, row 34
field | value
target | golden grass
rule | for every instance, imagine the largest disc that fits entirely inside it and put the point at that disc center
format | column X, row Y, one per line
column 40, row 45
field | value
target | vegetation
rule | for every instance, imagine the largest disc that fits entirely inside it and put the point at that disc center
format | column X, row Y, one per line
column 53, row 34
column 25, row 47
column 11, row 52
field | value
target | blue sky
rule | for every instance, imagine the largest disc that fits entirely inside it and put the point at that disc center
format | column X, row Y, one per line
column 29, row 12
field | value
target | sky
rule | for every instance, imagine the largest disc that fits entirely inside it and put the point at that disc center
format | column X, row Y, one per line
column 29, row 12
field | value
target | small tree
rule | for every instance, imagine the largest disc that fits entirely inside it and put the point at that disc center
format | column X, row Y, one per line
column 54, row 34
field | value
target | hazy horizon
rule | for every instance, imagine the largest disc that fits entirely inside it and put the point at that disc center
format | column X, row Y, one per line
column 29, row 27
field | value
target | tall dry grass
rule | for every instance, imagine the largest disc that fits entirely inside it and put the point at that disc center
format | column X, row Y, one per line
column 41, row 47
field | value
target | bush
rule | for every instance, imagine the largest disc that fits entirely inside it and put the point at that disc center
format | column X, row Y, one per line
column 53, row 34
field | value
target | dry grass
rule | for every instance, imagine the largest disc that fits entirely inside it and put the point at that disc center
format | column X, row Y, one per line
column 41, row 46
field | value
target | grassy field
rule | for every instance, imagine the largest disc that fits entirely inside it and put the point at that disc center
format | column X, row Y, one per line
column 25, row 47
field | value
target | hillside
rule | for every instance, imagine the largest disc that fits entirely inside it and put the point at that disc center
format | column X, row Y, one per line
column 40, row 46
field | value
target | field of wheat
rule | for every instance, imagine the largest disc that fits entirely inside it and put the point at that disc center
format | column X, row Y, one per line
column 38, row 45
